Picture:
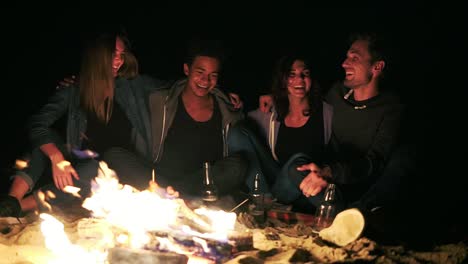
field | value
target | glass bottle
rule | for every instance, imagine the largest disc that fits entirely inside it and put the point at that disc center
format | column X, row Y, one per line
column 210, row 192
column 327, row 210
column 257, row 202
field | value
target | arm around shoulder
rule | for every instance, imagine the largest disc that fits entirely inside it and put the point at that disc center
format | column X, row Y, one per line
column 155, row 84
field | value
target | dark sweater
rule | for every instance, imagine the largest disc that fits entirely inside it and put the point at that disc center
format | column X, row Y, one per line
column 363, row 135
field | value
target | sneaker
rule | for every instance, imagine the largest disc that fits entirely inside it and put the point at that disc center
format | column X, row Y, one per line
column 9, row 206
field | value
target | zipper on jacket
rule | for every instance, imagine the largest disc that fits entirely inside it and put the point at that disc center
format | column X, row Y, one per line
column 163, row 128
column 272, row 136
column 225, row 132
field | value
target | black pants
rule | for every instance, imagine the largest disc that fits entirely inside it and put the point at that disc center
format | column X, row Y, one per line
column 228, row 173
column 394, row 184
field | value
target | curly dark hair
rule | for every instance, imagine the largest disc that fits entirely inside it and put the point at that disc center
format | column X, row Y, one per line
column 280, row 83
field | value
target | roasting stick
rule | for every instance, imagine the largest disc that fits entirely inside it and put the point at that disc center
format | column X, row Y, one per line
column 169, row 192
column 153, row 186
column 239, row 205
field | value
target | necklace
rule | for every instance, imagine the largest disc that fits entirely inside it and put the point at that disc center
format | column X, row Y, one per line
column 356, row 107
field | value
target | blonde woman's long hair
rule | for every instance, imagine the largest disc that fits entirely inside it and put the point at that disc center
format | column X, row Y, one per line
column 96, row 81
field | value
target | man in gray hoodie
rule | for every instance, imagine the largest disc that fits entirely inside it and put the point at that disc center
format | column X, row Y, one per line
column 190, row 125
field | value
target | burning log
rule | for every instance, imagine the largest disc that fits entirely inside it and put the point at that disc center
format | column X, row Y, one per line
column 190, row 218
column 129, row 256
column 186, row 214
column 199, row 232
column 203, row 247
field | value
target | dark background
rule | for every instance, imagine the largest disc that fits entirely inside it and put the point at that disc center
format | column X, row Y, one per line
column 42, row 47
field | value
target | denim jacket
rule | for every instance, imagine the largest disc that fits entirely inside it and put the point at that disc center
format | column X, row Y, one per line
column 131, row 95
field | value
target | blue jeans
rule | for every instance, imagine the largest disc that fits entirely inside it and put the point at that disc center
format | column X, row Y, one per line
column 281, row 181
column 392, row 185
column 39, row 163
column 128, row 167
column 87, row 169
column 286, row 187
column 241, row 140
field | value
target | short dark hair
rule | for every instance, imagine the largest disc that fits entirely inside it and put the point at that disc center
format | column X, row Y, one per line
column 381, row 46
column 209, row 47
column 377, row 46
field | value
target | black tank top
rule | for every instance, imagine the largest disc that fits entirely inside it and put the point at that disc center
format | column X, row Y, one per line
column 308, row 139
column 101, row 136
column 190, row 143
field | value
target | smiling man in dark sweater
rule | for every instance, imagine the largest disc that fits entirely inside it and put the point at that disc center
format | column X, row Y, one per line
column 365, row 130
column 366, row 126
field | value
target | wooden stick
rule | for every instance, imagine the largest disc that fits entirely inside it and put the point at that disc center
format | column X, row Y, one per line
column 239, row 205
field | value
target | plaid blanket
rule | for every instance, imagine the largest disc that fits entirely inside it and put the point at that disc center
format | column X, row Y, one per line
column 290, row 217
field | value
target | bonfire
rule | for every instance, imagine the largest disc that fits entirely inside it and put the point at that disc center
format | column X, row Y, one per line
column 126, row 225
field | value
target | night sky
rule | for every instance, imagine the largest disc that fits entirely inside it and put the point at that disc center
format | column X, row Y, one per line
column 43, row 47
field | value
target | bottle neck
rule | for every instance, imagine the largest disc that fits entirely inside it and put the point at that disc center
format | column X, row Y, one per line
column 256, row 187
column 330, row 193
column 206, row 166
